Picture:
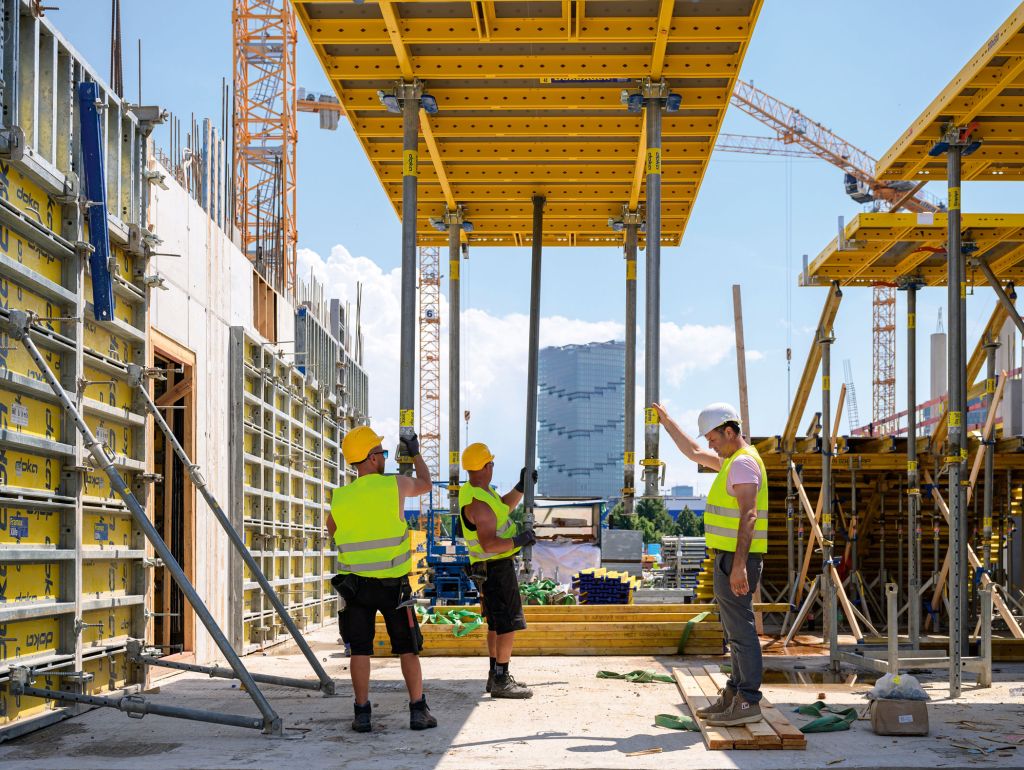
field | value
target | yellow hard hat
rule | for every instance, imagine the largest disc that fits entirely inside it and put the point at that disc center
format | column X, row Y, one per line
column 476, row 456
column 357, row 444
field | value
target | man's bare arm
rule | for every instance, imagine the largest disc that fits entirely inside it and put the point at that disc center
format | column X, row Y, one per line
column 418, row 484
column 746, row 496
column 687, row 445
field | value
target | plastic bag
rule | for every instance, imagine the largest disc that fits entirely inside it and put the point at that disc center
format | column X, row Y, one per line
column 897, row 687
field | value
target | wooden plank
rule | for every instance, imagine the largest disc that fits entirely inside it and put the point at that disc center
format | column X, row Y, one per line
column 715, row 738
column 791, row 736
column 972, row 557
column 741, row 736
column 762, row 733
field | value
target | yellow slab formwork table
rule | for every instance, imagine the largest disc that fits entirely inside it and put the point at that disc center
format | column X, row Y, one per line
column 539, row 123
column 972, row 130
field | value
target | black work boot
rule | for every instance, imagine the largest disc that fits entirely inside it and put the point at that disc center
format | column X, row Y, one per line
column 490, row 681
column 361, row 722
column 506, row 687
column 420, row 717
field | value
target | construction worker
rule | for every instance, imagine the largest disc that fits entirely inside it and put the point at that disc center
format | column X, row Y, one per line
column 374, row 560
column 736, row 530
column 494, row 540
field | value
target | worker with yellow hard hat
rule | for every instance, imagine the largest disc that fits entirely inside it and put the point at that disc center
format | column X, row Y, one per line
column 371, row 535
column 736, row 530
column 493, row 540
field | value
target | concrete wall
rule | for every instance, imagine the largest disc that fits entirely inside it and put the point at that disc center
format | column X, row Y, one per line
column 209, row 289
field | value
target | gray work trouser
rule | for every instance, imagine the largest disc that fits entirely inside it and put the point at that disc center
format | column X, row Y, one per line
column 737, row 616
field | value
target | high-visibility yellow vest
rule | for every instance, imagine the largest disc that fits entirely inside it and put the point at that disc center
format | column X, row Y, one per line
column 722, row 515
column 371, row 536
column 504, row 526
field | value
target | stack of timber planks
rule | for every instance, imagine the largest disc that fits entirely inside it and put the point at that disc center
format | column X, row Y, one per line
column 634, row 629
column 699, row 687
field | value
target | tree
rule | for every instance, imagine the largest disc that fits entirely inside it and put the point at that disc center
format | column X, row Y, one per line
column 651, row 518
column 689, row 524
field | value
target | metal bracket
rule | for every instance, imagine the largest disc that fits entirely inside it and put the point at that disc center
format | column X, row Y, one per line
column 151, row 478
column 81, row 625
column 154, row 563
column 12, row 143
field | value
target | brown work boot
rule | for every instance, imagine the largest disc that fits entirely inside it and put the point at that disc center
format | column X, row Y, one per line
column 740, row 712
column 725, row 698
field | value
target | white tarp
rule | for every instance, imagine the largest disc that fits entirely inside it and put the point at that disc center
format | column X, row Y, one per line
column 560, row 561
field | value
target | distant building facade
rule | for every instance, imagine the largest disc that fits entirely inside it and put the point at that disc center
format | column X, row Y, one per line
column 580, row 420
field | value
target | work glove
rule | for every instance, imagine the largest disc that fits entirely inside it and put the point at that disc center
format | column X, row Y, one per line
column 524, row 538
column 521, row 486
column 409, row 446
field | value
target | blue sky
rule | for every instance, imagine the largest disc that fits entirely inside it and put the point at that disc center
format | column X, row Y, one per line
column 865, row 69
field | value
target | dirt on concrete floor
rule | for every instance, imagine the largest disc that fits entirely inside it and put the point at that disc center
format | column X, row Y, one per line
column 573, row 721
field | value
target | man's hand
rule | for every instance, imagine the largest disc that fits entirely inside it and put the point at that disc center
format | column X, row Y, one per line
column 521, row 486
column 524, row 538
column 409, row 446
column 738, row 578
column 662, row 412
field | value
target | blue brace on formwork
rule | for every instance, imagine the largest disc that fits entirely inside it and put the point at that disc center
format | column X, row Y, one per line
column 94, row 178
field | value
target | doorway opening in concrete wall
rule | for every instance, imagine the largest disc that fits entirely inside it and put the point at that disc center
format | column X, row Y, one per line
column 174, row 498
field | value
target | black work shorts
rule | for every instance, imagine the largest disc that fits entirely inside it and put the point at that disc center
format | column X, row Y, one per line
column 365, row 597
column 500, row 602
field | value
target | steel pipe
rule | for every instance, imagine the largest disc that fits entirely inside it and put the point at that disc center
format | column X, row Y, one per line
column 652, row 299
column 533, row 359
column 629, row 410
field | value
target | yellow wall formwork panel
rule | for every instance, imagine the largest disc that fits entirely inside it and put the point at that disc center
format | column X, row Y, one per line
column 72, row 580
column 284, row 467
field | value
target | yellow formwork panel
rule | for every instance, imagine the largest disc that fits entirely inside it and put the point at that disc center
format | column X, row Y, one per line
column 29, row 470
column 107, row 577
column 887, row 247
column 106, row 626
column 32, row 416
column 25, row 252
column 28, row 197
column 21, row 638
column 110, row 390
column 986, row 92
column 29, row 582
column 562, row 66
column 21, row 526
column 100, row 529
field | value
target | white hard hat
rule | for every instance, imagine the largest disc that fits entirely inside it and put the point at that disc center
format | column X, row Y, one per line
column 715, row 416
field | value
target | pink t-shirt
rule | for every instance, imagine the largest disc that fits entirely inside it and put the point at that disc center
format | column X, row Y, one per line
column 744, row 470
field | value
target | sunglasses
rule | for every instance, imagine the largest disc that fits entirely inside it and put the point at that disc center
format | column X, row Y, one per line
column 379, row 452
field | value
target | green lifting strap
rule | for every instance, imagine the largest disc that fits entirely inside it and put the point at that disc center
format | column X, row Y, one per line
column 829, row 720
column 681, row 648
column 463, row 622
column 639, row 676
column 676, row 722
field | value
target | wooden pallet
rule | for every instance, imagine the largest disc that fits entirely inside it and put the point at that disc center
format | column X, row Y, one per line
column 699, row 687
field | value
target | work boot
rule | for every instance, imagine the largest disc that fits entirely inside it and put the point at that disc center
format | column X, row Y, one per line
column 490, row 681
column 361, row 723
column 507, row 687
column 420, row 717
column 725, row 697
column 740, row 712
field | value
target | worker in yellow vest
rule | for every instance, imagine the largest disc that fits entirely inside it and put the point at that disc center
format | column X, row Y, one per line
column 736, row 530
column 494, row 540
column 374, row 560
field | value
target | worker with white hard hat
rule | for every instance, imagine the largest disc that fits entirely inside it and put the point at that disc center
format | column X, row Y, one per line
column 371, row 535
column 494, row 539
column 736, row 530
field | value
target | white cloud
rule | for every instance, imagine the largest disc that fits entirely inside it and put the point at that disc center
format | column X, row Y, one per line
column 494, row 352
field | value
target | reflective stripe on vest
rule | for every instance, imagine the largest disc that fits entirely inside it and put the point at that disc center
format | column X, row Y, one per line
column 722, row 515
column 503, row 527
column 369, row 536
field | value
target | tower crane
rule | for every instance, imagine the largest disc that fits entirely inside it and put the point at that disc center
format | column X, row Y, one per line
column 798, row 136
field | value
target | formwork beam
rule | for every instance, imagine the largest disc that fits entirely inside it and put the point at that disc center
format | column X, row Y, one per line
column 532, row 371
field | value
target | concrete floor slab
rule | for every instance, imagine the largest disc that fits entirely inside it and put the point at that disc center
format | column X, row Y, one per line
column 574, row 721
